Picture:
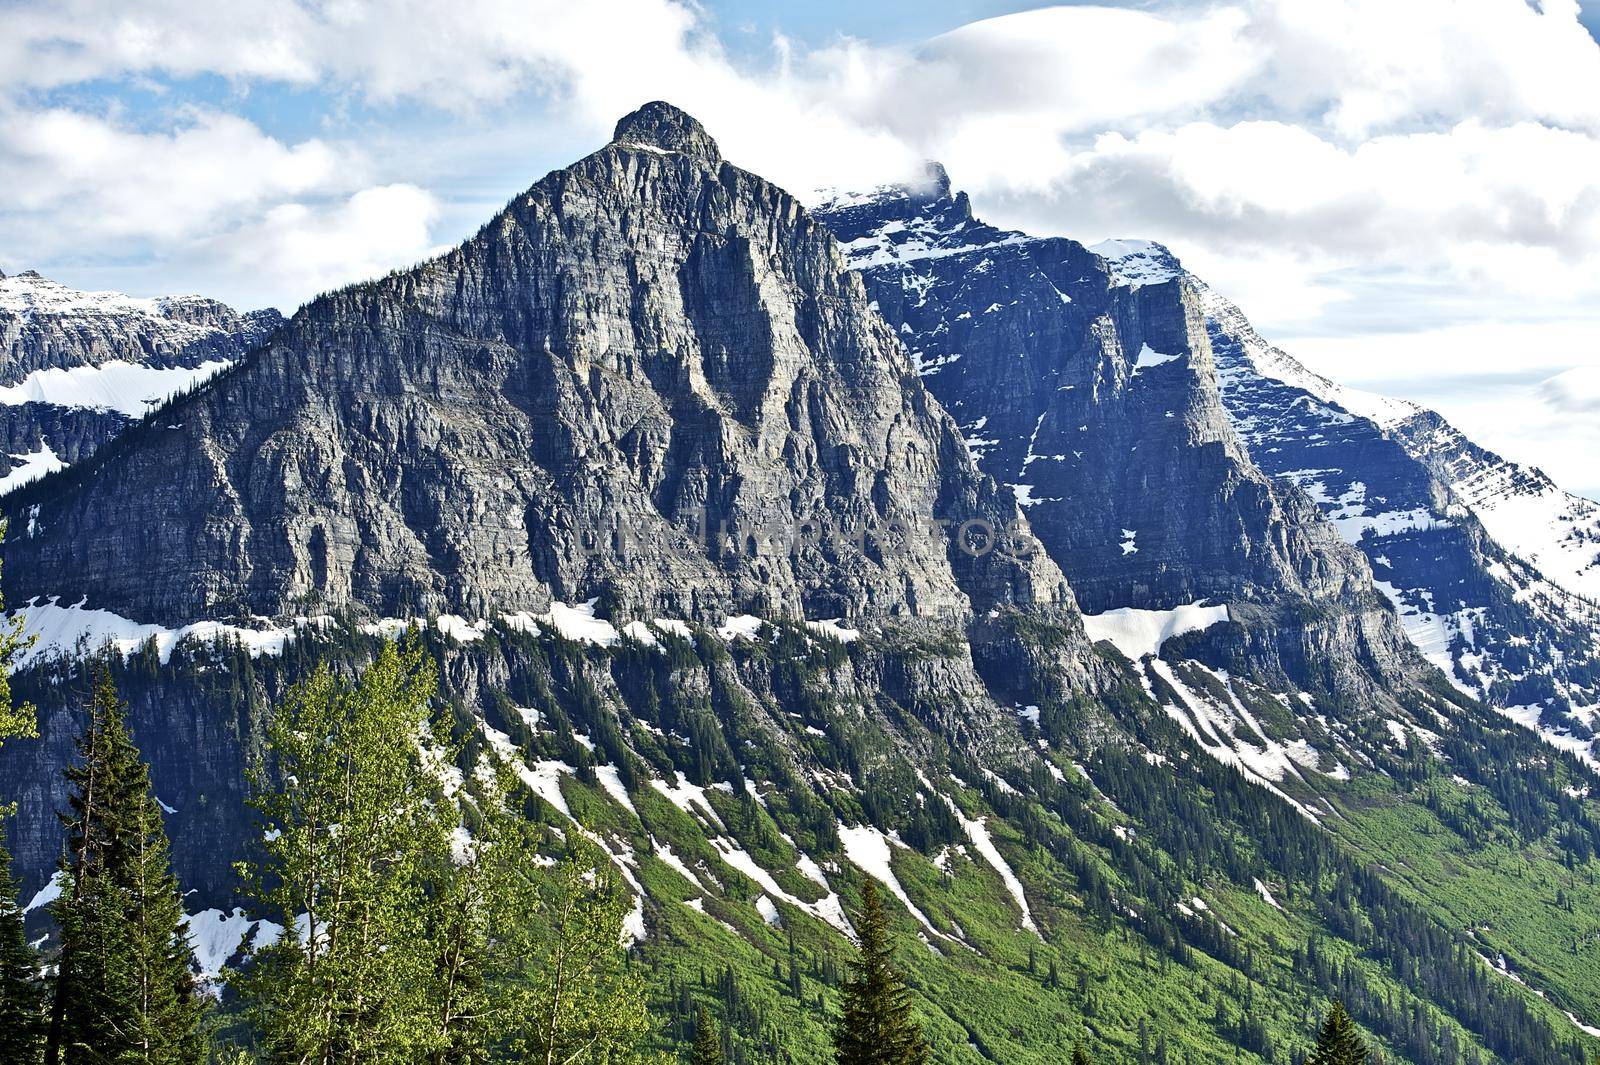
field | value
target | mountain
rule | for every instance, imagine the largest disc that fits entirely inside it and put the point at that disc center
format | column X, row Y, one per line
column 458, row 438
column 78, row 367
column 1491, row 567
column 1461, row 542
column 637, row 390
column 570, row 456
column 1099, row 402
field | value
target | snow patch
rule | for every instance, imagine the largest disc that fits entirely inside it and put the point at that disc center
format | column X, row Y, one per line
column 1137, row 632
column 128, row 388
column 832, row 628
column 34, row 465
column 745, row 626
column 867, row 848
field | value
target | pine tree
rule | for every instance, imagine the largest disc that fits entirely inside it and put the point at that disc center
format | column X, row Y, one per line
column 707, row 1042
column 1338, row 1043
column 877, row 1026
column 124, row 988
column 21, row 998
column 1079, row 1055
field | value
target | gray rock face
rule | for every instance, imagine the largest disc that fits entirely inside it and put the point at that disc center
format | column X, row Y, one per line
column 651, row 340
column 1095, row 395
column 78, row 367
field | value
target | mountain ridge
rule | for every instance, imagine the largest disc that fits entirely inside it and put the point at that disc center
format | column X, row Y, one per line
column 1111, row 828
column 77, row 368
column 680, row 393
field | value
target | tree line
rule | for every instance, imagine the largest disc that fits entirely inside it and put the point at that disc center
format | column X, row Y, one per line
column 411, row 918
column 415, row 915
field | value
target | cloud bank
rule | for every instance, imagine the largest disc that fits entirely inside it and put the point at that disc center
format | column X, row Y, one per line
column 1419, row 181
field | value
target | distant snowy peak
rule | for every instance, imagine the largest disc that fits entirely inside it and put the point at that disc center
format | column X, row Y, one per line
column 47, row 325
column 1522, row 509
column 76, row 367
column 32, row 293
column 908, row 223
column 1138, row 262
column 1273, row 362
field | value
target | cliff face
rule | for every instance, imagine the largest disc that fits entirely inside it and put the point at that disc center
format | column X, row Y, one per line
column 1092, row 390
column 647, row 348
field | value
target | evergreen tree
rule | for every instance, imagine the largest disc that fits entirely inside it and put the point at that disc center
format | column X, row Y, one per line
column 1338, row 1043
column 877, row 1026
column 21, row 997
column 1079, row 1055
column 124, row 988
column 707, row 1041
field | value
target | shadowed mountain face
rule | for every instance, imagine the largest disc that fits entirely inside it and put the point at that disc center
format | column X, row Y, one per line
column 646, row 349
column 1095, row 395
column 1139, row 417
column 77, row 368
column 1490, row 566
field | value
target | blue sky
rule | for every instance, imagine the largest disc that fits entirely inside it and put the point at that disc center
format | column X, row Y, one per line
column 1405, row 195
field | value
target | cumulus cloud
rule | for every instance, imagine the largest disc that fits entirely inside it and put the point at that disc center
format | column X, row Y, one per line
column 1386, row 177
column 456, row 55
column 299, row 249
column 81, row 178
column 235, row 212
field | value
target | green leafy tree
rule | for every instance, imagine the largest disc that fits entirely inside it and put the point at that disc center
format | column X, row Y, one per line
column 707, row 1041
column 565, row 994
column 124, row 988
column 1079, row 1055
column 355, row 844
column 877, row 1026
column 16, row 722
column 1339, row 1043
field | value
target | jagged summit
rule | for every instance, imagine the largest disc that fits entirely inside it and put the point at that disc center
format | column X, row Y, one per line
column 660, row 125
column 1139, row 262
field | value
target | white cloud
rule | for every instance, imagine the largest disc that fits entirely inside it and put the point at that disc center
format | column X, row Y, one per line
column 303, row 249
column 234, row 212
column 456, row 55
column 1402, row 179
column 84, row 178
column 1574, row 391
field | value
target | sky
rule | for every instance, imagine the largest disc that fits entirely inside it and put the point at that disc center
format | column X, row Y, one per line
column 1405, row 195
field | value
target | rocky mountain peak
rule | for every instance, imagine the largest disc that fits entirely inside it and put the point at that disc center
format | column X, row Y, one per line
column 664, row 127
column 647, row 361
